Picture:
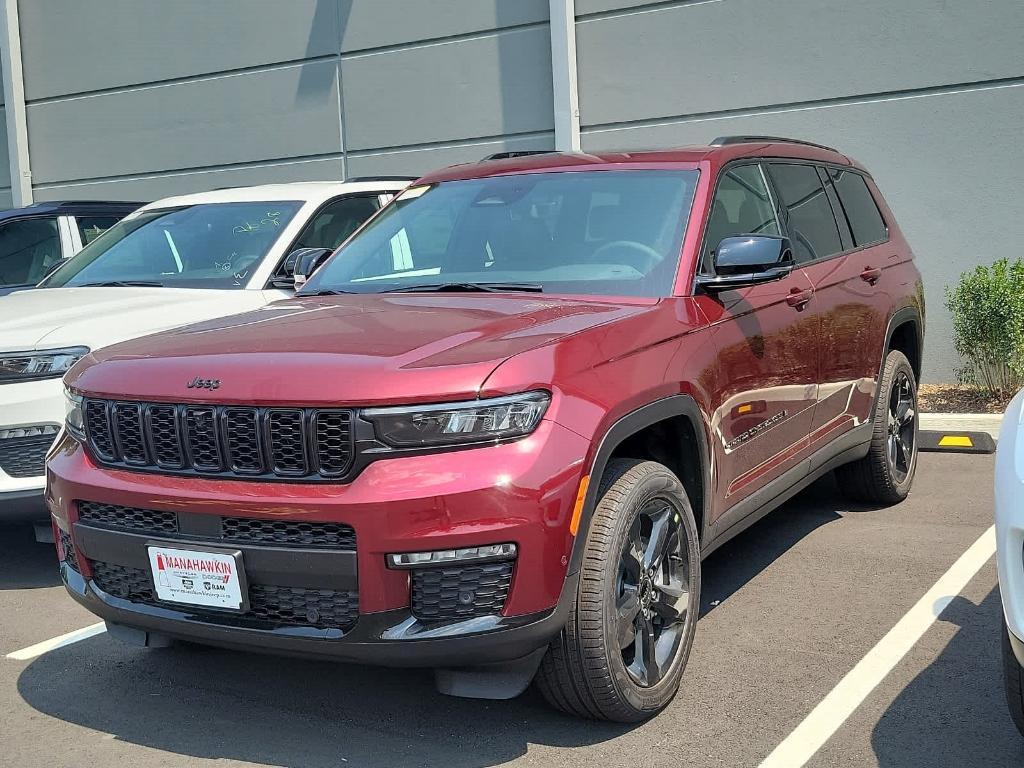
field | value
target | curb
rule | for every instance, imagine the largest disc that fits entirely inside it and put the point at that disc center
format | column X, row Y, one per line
column 962, row 422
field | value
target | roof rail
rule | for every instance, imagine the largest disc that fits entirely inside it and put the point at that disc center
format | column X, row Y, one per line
column 723, row 141
column 517, row 153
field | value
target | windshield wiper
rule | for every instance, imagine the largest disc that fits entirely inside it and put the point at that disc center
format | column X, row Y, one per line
column 122, row 284
column 471, row 288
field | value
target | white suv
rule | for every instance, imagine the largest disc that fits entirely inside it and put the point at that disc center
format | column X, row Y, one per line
column 176, row 261
column 1010, row 551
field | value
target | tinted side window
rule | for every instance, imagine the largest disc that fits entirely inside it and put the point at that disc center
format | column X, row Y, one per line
column 742, row 206
column 812, row 226
column 27, row 249
column 861, row 209
column 338, row 219
column 91, row 227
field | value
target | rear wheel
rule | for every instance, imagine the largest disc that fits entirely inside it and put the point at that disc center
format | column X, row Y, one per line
column 1013, row 677
column 885, row 475
column 622, row 652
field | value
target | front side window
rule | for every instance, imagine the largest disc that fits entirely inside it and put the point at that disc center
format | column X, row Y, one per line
column 812, row 225
column 742, row 205
column 28, row 248
column 91, row 227
column 211, row 245
column 860, row 207
column 587, row 232
column 336, row 221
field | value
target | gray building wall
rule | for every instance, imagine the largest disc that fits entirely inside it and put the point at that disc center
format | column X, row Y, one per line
column 928, row 94
column 5, row 168
column 146, row 98
column 142, row 98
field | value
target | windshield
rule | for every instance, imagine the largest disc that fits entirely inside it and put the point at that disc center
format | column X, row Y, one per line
column 592, row 232
column 211, row 245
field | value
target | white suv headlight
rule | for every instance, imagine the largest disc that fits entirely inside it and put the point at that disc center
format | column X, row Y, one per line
column 42, row 364
column 472, row 421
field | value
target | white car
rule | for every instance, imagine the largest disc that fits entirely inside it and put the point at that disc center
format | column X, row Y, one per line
column 1010, row 551
column 176, row 261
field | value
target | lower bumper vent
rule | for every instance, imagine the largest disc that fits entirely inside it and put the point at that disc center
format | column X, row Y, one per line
column 274, row 605
column 460, row 592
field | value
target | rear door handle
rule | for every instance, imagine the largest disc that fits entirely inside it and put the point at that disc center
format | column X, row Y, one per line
column 798, row 297
column 871, row 274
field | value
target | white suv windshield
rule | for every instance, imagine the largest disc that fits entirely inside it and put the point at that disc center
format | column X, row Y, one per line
column 212, row 245
column 584, row 232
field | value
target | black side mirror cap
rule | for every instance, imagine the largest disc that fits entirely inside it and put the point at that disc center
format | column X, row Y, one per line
column 299, row 265
column 746, row 260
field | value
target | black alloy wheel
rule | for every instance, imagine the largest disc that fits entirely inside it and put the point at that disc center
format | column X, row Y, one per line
column 653, row 593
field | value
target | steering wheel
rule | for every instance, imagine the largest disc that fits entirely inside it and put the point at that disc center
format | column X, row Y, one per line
column 643, row 260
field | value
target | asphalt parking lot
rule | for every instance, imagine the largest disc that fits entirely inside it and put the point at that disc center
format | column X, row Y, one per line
column 788, row 609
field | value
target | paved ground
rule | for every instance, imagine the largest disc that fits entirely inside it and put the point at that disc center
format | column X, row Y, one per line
column 789, row 608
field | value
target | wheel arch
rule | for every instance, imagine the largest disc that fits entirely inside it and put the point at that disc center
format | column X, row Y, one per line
column 905, row 332
column 676, row 408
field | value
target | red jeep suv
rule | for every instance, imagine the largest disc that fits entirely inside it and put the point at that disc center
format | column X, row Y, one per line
column 499, row 429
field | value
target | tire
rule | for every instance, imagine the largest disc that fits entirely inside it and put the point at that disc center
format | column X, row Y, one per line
column 885, row 475
column 591, row 670
column 1013, row 677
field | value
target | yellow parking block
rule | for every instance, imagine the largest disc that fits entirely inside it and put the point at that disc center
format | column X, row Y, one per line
column 955, row 441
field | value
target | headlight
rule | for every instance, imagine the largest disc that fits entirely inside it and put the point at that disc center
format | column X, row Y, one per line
column 474, row 421
column 44, row 364
column 74, row 416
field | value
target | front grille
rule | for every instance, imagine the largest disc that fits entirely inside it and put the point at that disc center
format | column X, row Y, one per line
column 247, row 530
column 270, row 605
column 151, row 521
column 460, row 592
column 233, row 530
column 222, row 441
column 69, row 550
column 23, row 451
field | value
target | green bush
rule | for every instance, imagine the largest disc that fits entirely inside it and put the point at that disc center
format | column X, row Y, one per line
column 988, row 326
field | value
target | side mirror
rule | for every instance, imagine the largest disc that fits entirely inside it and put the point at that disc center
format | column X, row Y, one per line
column 746, row 260
column 299, row 265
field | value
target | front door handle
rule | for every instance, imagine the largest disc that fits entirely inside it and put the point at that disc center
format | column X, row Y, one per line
column 870, row 275
column 798, row 297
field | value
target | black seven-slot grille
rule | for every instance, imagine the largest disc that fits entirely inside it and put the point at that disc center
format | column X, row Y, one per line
column 239, row 530
column 221, row 440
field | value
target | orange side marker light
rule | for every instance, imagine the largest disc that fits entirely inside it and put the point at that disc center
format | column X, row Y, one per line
column 577, row 511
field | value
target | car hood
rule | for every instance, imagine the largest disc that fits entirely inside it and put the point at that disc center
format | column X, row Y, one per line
column 47, row 318
column 359, row 349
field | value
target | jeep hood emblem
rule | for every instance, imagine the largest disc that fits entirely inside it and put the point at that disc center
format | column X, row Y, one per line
column 198, row 383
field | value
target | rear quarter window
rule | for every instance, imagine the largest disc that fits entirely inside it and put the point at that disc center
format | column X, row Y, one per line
column 862, row 212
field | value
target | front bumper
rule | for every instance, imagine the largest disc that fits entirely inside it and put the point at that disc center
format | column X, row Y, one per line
column 521, row 492
column 28, row 404
column 23, row 506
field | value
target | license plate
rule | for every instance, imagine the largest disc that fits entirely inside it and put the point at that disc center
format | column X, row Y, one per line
column 212, row 579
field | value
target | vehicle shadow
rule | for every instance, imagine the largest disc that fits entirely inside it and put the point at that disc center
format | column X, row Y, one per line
column 211, row 703
column 737, row 562
column 216, row 704
column 954, row 712
column 24, row 562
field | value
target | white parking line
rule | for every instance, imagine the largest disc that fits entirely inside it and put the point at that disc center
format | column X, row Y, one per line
column 26, row 654
column 826, row 718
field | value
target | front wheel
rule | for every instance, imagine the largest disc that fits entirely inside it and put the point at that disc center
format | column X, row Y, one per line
column 622, row 652
column 885, row 475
